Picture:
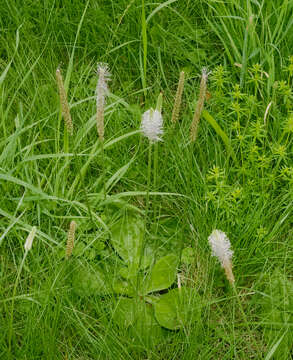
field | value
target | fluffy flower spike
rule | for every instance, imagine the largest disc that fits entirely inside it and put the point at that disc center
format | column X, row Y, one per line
column 221, row 248
column 101, row 92
column 152, row 125
column 104, row 76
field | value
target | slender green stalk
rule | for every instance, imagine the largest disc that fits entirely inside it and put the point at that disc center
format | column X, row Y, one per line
column 148, row 183
column 77, row 160
column 103, row 170
column 145, row 48
column 147, row 200
column 156, row 160
column 12, row 304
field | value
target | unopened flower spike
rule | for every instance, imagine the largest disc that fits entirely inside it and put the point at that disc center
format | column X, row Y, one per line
column 64, row 102
column 101, row 92
column 221, row 248
column 178, row 98
column 70, row 239
column 199, row 105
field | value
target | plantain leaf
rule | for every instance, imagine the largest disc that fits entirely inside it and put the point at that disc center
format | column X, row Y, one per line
column 162, row 275
column 89, row 281
column 178, row 308
column 137, row 317
column 127, row 239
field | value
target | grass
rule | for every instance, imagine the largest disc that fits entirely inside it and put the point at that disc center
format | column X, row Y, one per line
column 237, row 176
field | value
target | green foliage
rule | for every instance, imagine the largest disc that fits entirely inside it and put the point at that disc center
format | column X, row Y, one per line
column 277, row 314
column 137, row 316
column 178, row 308
column 116, row 297
column 127, row 240
column 90, row 281
column 188, row 256
column 252, row 32
column 162, row 275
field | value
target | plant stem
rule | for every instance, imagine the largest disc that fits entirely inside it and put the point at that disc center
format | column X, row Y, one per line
column 144, row 41
column 148, row 182
column 156, row 156
column 103, row 169
column 83, row 187
column 147, row 202
column 12, row 305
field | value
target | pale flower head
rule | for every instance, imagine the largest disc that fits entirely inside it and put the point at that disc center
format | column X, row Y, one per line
column 104, row 76
column 220, row 245
column 221, row 248
column 152, row 125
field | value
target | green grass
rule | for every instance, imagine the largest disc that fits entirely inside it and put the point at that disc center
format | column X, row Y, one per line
column 237, row 177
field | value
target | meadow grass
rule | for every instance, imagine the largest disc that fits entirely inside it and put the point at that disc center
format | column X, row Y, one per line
column 237, row 177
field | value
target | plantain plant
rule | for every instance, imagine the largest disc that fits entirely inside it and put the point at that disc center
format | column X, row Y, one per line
column 143, row 290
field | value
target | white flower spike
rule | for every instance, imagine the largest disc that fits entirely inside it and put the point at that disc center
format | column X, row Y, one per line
column 29, row 240
column 152, row 125
column 221, row 248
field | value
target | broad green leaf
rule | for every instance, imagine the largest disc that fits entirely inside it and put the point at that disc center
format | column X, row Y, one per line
column 178, row 308
column 127, row 239
column 162, row 275
column 137, row 316
column 88, row 281
column 122, row 287
column 124, row 312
